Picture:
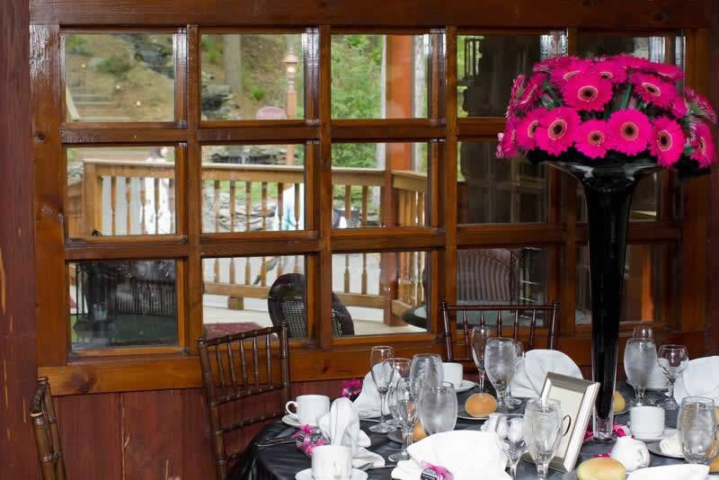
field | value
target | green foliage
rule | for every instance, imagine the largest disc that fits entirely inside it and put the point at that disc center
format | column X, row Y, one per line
column 114, row 65
column 258, row 93
column 77, row 45
column 213, row 49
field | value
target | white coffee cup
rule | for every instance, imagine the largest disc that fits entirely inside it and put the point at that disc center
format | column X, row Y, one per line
column 633, row 454
column 646, row 422
column 331, row 462
column 308, row 408
column 453, row 373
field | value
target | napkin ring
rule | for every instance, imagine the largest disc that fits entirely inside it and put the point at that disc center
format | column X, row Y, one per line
column 307, row 438
column 435, row 472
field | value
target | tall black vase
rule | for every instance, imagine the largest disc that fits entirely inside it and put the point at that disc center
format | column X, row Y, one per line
column 608, row 188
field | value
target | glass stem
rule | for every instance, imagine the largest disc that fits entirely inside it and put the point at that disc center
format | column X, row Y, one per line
column 481, row 381
column 641, row 394
column 672, row 380
column 542, row 470
column 513, row 469
column 381, row 407
column 406, row 438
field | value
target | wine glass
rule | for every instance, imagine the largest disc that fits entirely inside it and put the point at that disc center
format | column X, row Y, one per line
column 511, row 401
column 542, row 431
column 514, row 443
column 477, row 340
column 382, row 372
column 406, row 408
column 697, row 430
column 672, row 360
column 643, row 331
column 438, row 407
column 401, row 371
column 500, row 358
column 425, row 369
column 640, row 356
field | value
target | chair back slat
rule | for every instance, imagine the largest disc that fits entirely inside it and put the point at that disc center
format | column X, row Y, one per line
column 47, row 434
column 217, row 385
column 518, row 312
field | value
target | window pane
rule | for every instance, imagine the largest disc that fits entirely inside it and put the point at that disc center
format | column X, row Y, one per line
column 669, row 49
column 502, row 276
column 247, row 293
column 128, row 77
column 380, row 76
column 360, row 173
column 120, row 191
column 123, row 303
column 487, row 65
column 645, row 283
column 380, row 293
column 253, row 187
column 252, row 77
column 492, row 190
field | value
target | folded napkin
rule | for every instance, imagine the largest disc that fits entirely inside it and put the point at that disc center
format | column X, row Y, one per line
column 532, row 370
column 464, row 453
column 699, row 379
column 341, row 426
column 671, row 472
column 368, row 401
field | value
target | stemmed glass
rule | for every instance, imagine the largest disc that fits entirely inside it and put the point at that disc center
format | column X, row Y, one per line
column 511, row 401
column 697, row 430
column 401, row 371
column 542, row 431
column 382, row 370
column 640, row 356
column 514, row 443
column 406, row 407
column 478, row 340
column 500, row 357
column 438, row 407
column 425, row 369
column 672, row 360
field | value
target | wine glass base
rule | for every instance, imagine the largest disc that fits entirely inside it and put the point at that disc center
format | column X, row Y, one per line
column 382, row 428
column 397, row 457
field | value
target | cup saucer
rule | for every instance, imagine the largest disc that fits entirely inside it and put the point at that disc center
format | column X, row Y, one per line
column 668, row 432
column 307, row 475
column 291, row 421
column 465, row 386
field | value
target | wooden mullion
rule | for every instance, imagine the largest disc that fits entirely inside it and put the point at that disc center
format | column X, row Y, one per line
column 193, row 186
column 234, row 248
column 180, row 41
column 53, row 332
column 390, row 241
column 473, row 128
column 122, row 134
column 153, row 248
column 449, row 174
column 270, row 133
column 385, row 130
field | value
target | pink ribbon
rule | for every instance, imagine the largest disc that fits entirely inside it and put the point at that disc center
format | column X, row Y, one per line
column 351, row 388
column 442, row 473
column 304, row 434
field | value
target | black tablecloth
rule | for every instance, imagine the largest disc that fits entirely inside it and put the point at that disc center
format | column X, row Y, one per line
column 282, row 462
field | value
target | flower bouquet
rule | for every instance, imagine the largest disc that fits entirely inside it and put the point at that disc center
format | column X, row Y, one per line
column 608, row 122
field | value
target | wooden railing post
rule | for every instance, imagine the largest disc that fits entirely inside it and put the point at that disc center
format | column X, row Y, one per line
column 92, row 206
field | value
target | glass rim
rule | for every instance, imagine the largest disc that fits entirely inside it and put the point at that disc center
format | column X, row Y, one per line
column 542, row 403
column 674, row 346
column 697, row 401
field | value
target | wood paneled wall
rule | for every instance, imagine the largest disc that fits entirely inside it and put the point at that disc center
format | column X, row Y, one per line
column 152, row 435
column 712, row 322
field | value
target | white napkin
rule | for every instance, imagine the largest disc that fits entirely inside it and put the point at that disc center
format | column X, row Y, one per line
column 671, row 445
column 342, row 426
column 465, row 453
column 671, row 472
column 368, row 401
column 529, row 378
column 699, row 379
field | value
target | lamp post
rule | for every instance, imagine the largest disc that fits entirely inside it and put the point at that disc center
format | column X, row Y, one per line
column 291, row 62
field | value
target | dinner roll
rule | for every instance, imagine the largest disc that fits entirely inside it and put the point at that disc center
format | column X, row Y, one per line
column 619, row 403
column 418, row 433
column 480, row 405
column 601, row 469
column 714, row 467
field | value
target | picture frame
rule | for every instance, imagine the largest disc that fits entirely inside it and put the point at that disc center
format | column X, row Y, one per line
column 576, row 397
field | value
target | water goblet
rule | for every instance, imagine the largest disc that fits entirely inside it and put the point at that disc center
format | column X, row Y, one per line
column 425, row 369
column 672, row 360
column 697, row 430
column 500, row 358
column 640, row 356
column 382, row 374
column 511, row 401
column 438, row 407
column 514, row 442
column 542, row 432
column 406, row 408
column 478, row 340
column 401, row 371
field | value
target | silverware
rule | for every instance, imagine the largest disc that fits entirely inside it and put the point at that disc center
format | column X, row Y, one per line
column 278, row 441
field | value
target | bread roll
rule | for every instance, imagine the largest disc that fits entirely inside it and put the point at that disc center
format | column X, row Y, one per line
column 418, row 433
column 601, row 469
column 619, row 403
column 714, row 467
column 480, row 405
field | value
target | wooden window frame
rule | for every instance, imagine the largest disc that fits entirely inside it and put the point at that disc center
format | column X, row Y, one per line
column 321, row 356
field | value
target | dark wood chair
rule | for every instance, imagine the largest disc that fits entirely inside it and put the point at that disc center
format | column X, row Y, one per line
column 47, row 435
column 517, row 313
column 227, row 377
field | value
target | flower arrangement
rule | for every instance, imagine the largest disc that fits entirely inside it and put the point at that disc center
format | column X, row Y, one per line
column 617, row 109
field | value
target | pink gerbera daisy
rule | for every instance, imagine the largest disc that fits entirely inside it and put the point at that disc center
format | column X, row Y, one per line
column 679, row 107
column 533, row 91
column 507, row 146
column 704, row 150
column 553, row 63
column 555, row 132
column 629, row 131
column 700, row 106
column 611, row 70
column 654, row 90
column 562, row 74
column 591, row 138
column 527, row 128
column 630, row 62
column 587, row 91
column 667, row 141
column 668, row 72
column 517, row 87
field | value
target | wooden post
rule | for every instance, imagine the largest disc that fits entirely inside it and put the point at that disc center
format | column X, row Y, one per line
column 93, row 200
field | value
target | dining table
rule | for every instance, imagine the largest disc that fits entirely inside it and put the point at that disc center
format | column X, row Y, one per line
column 283, row 461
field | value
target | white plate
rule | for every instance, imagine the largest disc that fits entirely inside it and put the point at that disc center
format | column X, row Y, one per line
column 656, row 449
column 290, row 421
column 465, row 386
column 668, row 432
column 307, row 475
